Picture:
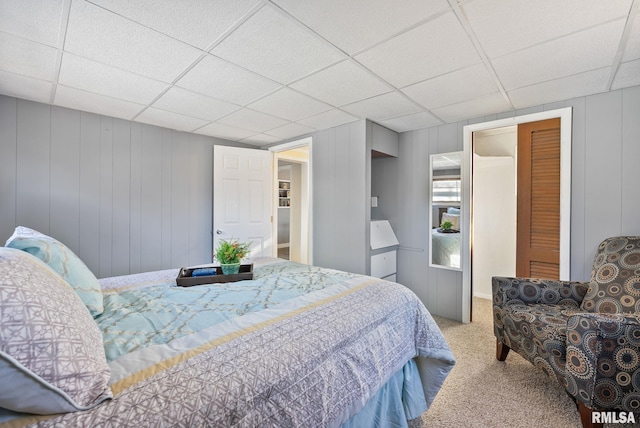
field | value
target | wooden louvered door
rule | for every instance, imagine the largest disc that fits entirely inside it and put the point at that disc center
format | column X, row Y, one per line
column 538, row 218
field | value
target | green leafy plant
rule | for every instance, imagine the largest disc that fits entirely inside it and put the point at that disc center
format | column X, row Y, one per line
column 231, row 251
column 446, row 225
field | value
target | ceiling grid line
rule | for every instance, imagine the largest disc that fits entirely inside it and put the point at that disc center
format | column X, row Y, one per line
column 479, row 49
column 634, row 10
column 64, row 23
column 204, row 54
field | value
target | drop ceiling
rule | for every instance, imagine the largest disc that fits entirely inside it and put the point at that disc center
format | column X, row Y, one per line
column 259, row 72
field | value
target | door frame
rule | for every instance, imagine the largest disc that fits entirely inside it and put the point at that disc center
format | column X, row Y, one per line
column 565, row 115
column 308, row 141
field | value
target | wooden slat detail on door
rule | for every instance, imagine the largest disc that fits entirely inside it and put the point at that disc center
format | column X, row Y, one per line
column 539, row 200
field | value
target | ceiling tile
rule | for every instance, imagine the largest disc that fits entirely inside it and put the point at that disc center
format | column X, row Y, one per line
column 92, row 76
column 22, row 56
column 341, row 84
column 228, row 82
column 565, row 88
column 16, row 85
column 451, row 88
column 289, row 131
column 383, row 107
column 189, row 103
column 94, row 103
column 270, row 44
column 356, row 24
column 105, row 37
column 34, row 20
column 289, row 104
column 328, row 119
column 197, row 22
column 167, row 119
column 483, row 106
column 628, row 75
column 260, row 139
column 587, row 50
column 411, row 122
column 223, row 131
column 528, row 23
column 413, row 56
column 253, row 120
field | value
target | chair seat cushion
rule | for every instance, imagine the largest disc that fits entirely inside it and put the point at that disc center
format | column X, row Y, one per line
column 538, row 332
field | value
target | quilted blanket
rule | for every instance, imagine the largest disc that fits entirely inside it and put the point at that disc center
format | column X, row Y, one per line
column 296, row 346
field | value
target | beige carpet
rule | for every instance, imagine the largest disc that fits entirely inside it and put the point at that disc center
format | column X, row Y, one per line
column 483, row 392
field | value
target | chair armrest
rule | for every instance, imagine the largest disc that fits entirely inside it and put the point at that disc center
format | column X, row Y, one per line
column 603, row 354
column 533, row 290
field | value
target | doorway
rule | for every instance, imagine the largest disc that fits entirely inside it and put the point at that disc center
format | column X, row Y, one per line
column 292, row 208
column 469, row 170
column 494, row 207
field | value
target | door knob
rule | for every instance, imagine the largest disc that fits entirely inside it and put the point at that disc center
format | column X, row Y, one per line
column 218, row 231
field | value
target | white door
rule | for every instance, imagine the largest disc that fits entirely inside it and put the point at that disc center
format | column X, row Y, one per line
column 242, row 197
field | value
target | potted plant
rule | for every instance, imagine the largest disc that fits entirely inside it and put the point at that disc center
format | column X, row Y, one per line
column 229, row 253
column 446, row 226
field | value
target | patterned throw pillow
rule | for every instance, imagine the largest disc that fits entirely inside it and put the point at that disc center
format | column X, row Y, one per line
column 52, row 356
column 62, row 260
column 615, row 279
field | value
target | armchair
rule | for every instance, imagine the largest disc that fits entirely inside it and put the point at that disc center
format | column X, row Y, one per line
column 585, row 335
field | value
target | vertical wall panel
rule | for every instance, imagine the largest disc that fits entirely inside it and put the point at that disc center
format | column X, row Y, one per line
column 8, row 157
column 151, row 198
column 106, row 196
column 32, row 162
column 167, row 197
column 322, row 170
column 200, row 213
column 180, row 200
column 65, row 176
column 135, row 232
column 121, row 215
column 630, row 208
column 89, row 199
column 603, row 163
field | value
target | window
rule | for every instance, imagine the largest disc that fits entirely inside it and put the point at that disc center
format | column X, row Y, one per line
column 446, row 190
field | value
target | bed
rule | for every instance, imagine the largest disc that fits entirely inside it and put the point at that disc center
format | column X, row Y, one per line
column 296, row 346
column 445, row 248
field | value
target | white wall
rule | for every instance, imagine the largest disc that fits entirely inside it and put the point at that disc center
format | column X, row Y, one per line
column 494, row 221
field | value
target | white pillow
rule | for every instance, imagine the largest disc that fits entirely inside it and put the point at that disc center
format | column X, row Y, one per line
column 52, row 356
column 453, row 218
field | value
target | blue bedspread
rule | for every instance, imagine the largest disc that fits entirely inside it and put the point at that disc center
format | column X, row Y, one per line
column 297, row 346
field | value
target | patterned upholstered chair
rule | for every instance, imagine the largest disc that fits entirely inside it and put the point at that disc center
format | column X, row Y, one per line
column 584, row 335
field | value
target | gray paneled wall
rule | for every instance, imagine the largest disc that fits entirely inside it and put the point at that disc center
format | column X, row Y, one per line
column 605, row 195
column 341, row 205
column 126, row 197
column 130, row 197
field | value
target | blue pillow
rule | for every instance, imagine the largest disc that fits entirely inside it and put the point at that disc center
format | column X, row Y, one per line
column 453, row 210
column 63, row 261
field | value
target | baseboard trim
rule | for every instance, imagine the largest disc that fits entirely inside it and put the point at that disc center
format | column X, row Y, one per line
column 483, row 296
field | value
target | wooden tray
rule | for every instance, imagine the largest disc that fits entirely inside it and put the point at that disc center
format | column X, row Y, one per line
column 185, row 279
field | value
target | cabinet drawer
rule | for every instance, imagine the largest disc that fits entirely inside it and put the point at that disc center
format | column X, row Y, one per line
column 383, row 264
